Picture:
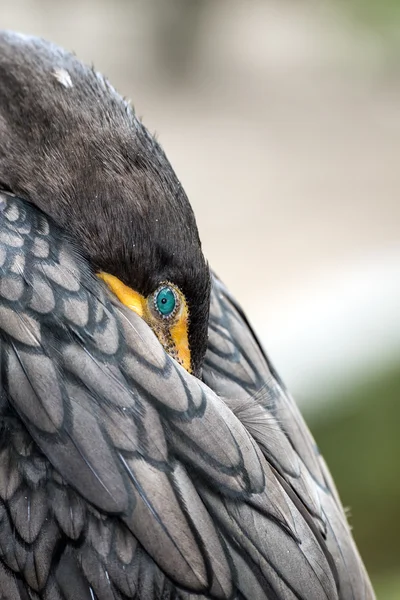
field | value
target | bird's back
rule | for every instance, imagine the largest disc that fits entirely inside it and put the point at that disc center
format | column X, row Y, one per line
column 121, row 476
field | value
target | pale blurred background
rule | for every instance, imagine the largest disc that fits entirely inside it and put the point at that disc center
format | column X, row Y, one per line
column 282, row 119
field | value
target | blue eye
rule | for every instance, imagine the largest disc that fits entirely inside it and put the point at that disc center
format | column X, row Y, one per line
column 165, row 301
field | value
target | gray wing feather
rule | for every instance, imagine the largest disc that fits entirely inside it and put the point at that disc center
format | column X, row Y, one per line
column 121, row 476
column 275, row 422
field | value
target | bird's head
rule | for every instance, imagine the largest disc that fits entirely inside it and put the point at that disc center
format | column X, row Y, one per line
column 73, row 147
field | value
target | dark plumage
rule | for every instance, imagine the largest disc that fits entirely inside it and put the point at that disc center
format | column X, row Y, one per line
column 121, row 475
column 80, row 154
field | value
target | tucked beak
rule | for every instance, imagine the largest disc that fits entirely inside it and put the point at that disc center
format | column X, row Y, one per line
column 172, row 334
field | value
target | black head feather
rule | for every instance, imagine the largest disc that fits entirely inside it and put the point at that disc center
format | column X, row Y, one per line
column 71, row 145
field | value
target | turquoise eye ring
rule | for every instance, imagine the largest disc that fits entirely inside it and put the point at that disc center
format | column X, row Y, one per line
column 166, row 301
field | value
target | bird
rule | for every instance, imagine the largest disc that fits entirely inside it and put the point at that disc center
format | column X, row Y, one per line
column 148, row 448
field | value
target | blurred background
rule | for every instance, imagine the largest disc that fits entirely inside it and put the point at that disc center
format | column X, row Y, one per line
column 282, row 120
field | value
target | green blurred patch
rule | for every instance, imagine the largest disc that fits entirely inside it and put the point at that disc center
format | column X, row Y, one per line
column 387, row 586
column 381, row 15
column 361, row 444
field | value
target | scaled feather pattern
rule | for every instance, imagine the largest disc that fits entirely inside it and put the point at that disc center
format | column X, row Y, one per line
column 122, row 476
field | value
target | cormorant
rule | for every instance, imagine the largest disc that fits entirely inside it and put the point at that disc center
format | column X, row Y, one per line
column 124, row 474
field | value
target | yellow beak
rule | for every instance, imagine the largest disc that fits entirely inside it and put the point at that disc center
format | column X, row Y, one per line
column 173, row 335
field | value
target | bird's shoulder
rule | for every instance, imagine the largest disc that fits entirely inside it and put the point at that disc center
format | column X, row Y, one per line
column 121, row 476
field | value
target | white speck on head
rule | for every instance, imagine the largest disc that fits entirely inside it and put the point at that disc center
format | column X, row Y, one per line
column 63, row 77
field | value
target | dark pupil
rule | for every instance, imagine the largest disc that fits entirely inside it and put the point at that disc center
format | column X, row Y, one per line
column 165, row 301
